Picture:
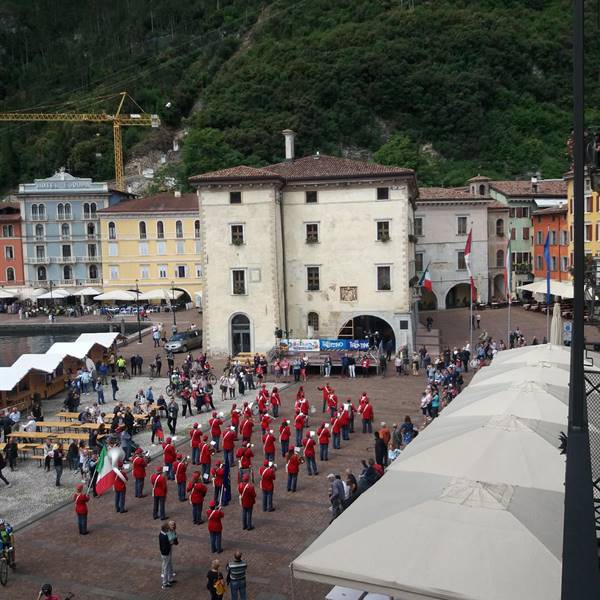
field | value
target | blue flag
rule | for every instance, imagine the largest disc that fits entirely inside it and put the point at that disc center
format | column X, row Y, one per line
column 547, row 261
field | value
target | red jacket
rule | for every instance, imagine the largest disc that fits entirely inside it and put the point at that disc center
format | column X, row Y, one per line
column 198, row 491
column 345, row 418
column 214, row 520
column 244, row 455
column 247, row 427
column 269, row 444
column 326, row 391
column 293, row 465
column 139, row 467
column 309, row 447
column 299, row 421
column 159, row 484
column 267, row 477
column 180, row 472
column 215, row 426
column 284, row 433
column 262, row 403
column 247, row 495
column 81, row 501
column 367, row 413
column 275, row 399
column 205, row 454
column 120, row 485
column 235, row 417
column 303, row 405
column 332, row 401
column 336, row 425
column 169, row 453
column 196, row 435
column 265, row 422
column 218, row 474
column 229, row 440
column 324, row 435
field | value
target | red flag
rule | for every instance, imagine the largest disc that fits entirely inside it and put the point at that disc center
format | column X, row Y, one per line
column 467, row 254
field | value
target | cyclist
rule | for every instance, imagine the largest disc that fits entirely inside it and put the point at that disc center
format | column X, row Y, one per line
column 7, row 543
column 46, row 593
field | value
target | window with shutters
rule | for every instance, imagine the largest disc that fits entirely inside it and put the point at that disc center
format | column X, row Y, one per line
column 238, row 282
column 312, row 233
column 384, row 278
column 313, row 279
column 237, row 235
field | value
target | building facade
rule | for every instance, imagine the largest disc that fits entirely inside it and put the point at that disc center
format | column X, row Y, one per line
column 592, row 218
column 153, row 242
column 551, row 221
column 443, row 219
column 316, row 247
column 11, row 245
column 61, row 229
column 498, row 236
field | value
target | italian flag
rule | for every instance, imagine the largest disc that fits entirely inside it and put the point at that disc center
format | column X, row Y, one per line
column 106, row 474
column 426, row 280
column 467, row 255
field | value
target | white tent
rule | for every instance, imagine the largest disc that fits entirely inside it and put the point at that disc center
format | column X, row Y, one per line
column 25, row 293
column 531, row 355
column 471, row 510
column 505, row 374
column 89, row 291
column 48, row 363
column 162, row 294
column 10, row 376
column 106, row 340
column 117, row 295
column 4, row 294
column 77, row 350
column 564, row 289
column 56, row 294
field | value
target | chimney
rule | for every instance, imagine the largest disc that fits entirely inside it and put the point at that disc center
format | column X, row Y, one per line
column 534, row 184
column 289, row 143
column 177, row 193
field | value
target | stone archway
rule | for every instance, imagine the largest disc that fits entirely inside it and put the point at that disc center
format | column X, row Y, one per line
column 241, row 340
column 458, row 296
column 498, row 291
column 375, row 329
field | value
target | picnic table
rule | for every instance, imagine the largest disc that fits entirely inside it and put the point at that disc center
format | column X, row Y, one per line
column 67, row 415
column 57, row 424
column 34, row 435
column 78, row 437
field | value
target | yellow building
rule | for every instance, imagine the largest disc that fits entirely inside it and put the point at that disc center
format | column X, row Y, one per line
column 591, row 218
column 153, row 242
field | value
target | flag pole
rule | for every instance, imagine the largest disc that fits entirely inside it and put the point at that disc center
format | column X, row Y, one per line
column 547, row 261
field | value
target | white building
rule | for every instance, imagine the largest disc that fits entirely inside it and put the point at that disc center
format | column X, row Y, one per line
column 317, row 247
column 443, row 219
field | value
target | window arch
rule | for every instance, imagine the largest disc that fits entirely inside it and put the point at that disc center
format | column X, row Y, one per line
column 91, row 230
column 142, row 228
column 160, row 230
column 41, row 273
column 67, row 272
column 178, row 229
column 93, row 272
column 42, row 211
column 60, row 211
column 10, row 274
column 34, row 211
column 500, row 227
column 313, row 321
column 67, row 211
column 112, row 231
column 93, row 209
column 197, row 229
column 65, row 230
column 500, row 258
column 482, row 190
column 39, row 232
column 86, row 210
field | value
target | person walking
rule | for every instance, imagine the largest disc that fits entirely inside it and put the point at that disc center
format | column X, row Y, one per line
column 166, row 570
column 57, row 458
column 267, row 479
column 197, row 491
column 380, row 450
column 215, row 515
column 81, row 509
column 120, row 487
column 247, row 495
column 323, row 435
column 159, row 493
column 236, row 577
column 172, row 413
column 169, row 457
column 336, row 495
column 292, row 467
column 214, row 581
column 3, row 466
column 139, row 472
column 114, row 384
column 309, row 453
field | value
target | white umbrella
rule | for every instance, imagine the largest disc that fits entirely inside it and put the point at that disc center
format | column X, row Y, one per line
column 556, row 326
column 89, row 291
column 123, row 295
column 525, row 399
column 532, row 355
column 6, row 294
column 55, row 294
column 505, row 374
column 161, row 294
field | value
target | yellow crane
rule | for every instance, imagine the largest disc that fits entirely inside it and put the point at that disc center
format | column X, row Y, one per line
column 118, row 120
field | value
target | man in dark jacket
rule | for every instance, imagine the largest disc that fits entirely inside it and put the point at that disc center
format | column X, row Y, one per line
column 164, row 544
column 380, row 450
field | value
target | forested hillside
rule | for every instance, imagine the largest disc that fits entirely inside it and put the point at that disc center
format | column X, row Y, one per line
column 451, row 87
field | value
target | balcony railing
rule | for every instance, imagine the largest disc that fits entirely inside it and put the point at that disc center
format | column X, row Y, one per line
column 39, row 217
column 67, row 282
column 88, row 258
column 37, row 260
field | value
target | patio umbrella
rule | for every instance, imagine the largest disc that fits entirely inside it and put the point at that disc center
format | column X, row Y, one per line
column 505, row 374
column 4, row 294
column 121, row 295
column 532, row 355
column 56, row 294
column 556, row 326
column 89, row 291
column 162, row 294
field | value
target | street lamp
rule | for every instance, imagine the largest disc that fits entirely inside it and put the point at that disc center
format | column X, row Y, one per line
column 173, row 306
column 137, row 307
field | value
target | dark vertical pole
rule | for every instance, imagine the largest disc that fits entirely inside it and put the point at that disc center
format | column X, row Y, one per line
column 580, row 575
column 137, row 310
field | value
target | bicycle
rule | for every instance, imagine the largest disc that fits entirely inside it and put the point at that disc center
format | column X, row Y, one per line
column 4, row 564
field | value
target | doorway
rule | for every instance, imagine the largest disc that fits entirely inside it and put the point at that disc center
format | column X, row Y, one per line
column 240, row 334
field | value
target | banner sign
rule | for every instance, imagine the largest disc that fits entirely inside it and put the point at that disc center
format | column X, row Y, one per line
column 300, row 345
column 344, row 344
column 323, row 345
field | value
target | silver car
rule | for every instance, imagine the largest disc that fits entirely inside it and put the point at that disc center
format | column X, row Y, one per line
column 184, row 341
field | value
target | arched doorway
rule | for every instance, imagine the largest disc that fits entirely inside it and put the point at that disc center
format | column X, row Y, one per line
column 428, row 300
column 185, row 298
column 498, row 292
column 240, row 334
column 376, row 329
column 458, row 296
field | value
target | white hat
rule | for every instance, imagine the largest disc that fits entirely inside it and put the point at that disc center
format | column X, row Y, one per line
column 270, row 431
column 232, row 428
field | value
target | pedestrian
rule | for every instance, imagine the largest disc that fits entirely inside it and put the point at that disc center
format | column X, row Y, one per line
column 478, row 319
column 166, row 570
column 170, row 362
column 309, row 453
column 159, row 493
column 11, row 451
column 114, row 386
column 269, row 446
column 236, row 577
column 139, row 472
column 3, row 466
column 292, row 466
column 214, row 581
column 81, row 509
column 156, row 336
column 197, row 492
column 172, row 412
column 217, row 474
column 284, row 437
column 267, row 479
column 120, row 487
column 133, row 362
column 196, row 438
column 169, row 457
column 336, row 495
column 323, row 435
column 380, row 450
column 214, row 516
column 229, row 438
column 366, row 411
column 180, row 468
column 215, row 423
column 100, row 391
column 57, row 458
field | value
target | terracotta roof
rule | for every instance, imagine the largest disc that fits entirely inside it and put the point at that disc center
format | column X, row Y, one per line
column 10, row 211
column 428, row 194
column 498, row 206
column 523, row 189
column 308, row 168
column 166, row 202
column 551, row 210
column 479, row 178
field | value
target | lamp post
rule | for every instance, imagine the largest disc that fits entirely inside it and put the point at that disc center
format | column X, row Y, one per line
column 51, row 298
column 137, row 310
column 580, row 575
column 173, row 306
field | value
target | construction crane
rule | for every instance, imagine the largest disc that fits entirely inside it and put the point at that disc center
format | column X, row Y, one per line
column 118, row 120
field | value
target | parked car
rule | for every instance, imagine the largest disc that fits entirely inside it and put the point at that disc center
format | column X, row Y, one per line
column 184, row 341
